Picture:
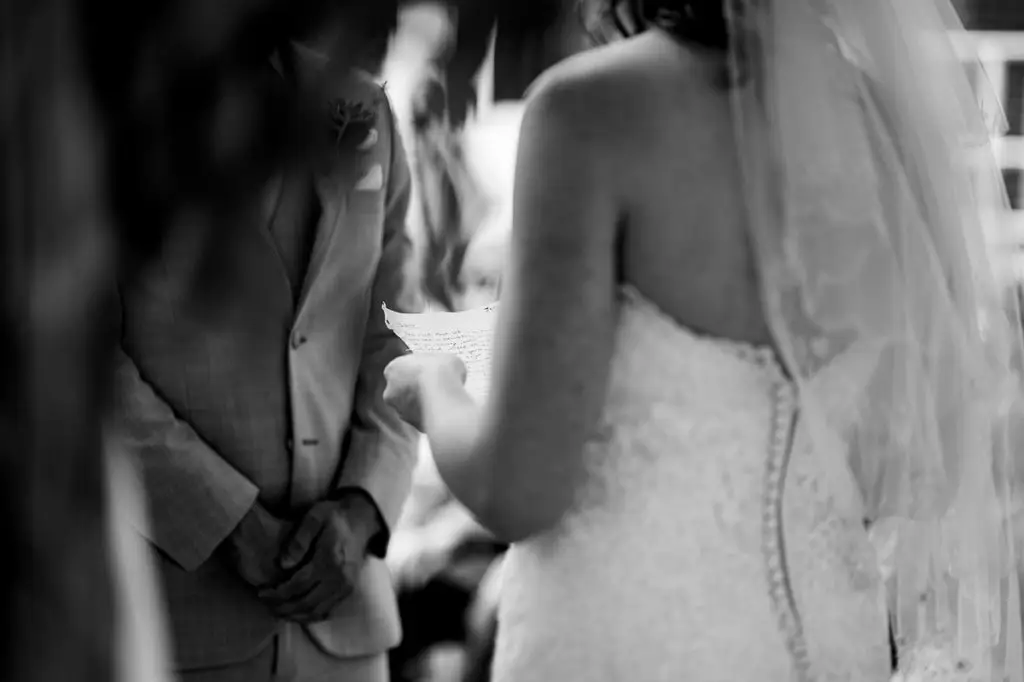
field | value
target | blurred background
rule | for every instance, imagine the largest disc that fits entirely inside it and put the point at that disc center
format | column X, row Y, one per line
column 998, row 37
column 118, row 118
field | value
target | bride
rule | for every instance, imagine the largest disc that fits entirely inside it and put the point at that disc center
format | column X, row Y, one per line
column 754, row 364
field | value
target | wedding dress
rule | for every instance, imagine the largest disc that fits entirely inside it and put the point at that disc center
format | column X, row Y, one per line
column 719, row 532
column 709, row 542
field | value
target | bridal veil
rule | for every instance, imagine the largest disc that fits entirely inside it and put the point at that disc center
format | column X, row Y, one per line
column 875, row 203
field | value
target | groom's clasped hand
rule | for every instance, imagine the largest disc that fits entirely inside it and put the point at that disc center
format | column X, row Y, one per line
column 304, row 570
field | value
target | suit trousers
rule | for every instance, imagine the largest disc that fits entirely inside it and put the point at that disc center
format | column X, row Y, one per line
column 292, row 656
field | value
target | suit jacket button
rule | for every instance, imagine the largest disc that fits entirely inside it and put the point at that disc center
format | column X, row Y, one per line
column 298, row 340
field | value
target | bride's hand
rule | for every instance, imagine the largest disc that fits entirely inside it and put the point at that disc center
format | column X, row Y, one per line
column 408, row 375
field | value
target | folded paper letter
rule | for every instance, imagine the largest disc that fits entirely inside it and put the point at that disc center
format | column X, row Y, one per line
column 468, row 334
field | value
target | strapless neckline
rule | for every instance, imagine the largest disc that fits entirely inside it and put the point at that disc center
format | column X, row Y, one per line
column 761, row 356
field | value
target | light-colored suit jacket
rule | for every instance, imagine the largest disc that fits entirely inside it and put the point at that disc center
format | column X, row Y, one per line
column 262, row 398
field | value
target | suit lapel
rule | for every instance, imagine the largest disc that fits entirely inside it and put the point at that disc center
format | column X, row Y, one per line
column 274, row 191
column 272, row 195
column 336, row 171
column 332, row 212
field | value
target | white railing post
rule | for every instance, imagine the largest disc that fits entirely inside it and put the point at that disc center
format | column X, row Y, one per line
column 995, row 50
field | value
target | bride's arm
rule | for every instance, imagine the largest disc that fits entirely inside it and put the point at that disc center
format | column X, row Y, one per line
column 514, row 461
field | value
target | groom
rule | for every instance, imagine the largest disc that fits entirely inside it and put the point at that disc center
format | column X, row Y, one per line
column 273, row 469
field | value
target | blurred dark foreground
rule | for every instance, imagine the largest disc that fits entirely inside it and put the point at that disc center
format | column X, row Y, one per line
column 120, row 123
column 118, row 119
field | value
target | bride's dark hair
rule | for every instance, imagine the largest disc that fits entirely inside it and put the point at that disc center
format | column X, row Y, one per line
column 699, row 22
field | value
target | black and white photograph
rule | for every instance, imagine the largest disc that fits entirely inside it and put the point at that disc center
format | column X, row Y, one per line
column 512, row 340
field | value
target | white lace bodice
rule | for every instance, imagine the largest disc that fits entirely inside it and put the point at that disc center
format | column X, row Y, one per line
column 709, row 543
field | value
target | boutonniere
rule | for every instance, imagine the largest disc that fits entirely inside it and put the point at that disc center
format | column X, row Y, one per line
column 353, row 124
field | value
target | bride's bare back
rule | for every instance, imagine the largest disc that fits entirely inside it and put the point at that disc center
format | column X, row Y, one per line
column 626, row 174
column 684, row 237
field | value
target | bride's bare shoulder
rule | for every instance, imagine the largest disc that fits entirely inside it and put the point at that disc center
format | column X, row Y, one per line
column 622, row 86
column 644, row 56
